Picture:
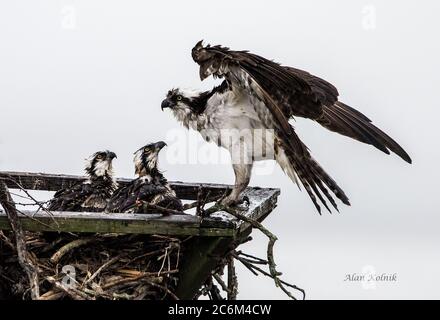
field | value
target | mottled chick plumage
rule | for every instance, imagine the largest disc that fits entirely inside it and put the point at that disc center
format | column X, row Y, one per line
column 92, row 194
column 150, row 185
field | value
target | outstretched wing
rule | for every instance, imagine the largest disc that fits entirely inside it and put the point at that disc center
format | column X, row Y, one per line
column 343, row 119
column 288, row 92
column 264, row 80
column 271, row 90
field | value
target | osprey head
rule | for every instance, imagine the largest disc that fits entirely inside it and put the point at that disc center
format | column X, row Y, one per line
column 185, row 104
column 100, row 164
column 145, row 159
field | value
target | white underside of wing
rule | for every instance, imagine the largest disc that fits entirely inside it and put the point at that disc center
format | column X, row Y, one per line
column 284, row 163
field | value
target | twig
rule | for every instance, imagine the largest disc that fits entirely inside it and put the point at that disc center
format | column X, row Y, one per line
column 168, row 291
column 165, row 255
column 212, row 290
column 252, row 268
column 202, row 199
column 141, row 274
column 71, row 291
column 199, row 207
column 248, row 265
column 148, row 205
column 274, row 273
column 18, row 195
column 97, row 272
column 7, row 241
column 221, row 282
column 232, row 280
column 256, row 260
column 66, row 248
column 27, row 265
column 208, row 199
column 31, row 217
column 32, row 198
column 131, row 279
column 52, row 295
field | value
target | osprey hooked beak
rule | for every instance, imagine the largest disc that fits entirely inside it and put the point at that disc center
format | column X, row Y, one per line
column 159, row 145
column 167, row 103
column 111, row 155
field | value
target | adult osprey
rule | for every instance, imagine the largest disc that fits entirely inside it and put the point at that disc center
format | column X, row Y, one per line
column 150, row 185
column 259, row 95
column 92, row 194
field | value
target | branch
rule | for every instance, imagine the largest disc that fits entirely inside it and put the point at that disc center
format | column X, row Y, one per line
column 38, row 203
column 274, row 273
column 66, row 248
column 23, row 258
column 148, row 205
column 220, row 281
column 253, row 268
column 71, row 291
column 232, row 280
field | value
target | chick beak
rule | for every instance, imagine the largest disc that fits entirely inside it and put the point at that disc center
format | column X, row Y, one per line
column 112, row 155
column 159, row 145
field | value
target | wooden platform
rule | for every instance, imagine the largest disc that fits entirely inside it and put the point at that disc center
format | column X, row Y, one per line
column 262, row 202
column 212, row 236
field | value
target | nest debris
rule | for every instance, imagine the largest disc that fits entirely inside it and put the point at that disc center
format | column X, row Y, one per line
column 109, row 266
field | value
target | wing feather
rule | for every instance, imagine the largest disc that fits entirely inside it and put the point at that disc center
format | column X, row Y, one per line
column 268, row 82
column 291, row 92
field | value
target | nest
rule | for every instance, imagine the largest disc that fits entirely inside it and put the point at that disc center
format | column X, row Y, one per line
column 107, row 266
column 52, row 266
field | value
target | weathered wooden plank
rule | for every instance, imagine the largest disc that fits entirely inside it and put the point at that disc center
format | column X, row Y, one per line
column 55, row 182
column 85, row 222
column 262, row 200
column 262, row 203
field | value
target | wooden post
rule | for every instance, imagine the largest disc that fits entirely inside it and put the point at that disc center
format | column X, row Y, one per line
column 201, row 256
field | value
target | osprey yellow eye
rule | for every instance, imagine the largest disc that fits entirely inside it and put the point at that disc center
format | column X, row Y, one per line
column 179, row 98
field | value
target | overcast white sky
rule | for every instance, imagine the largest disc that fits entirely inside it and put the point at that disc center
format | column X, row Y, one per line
column 79, row 76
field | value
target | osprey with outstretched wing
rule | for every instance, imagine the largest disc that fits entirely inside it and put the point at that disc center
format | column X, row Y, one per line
column 92, row 194
column 259, row 95
column 150, row 186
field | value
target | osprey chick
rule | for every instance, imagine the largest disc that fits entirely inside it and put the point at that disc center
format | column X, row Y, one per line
column 249, row 113
column 150, row 185
column 92, row 194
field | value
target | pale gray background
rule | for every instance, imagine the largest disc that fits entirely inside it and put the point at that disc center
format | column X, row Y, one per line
column 77, row 76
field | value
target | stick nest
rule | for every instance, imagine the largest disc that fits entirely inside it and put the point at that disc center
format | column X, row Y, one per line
column 92, row 267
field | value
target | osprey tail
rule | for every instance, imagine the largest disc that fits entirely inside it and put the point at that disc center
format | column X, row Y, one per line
column 349, row 122
column 314, row 179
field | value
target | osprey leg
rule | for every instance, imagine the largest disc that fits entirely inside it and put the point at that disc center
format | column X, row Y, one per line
column 242, row 177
